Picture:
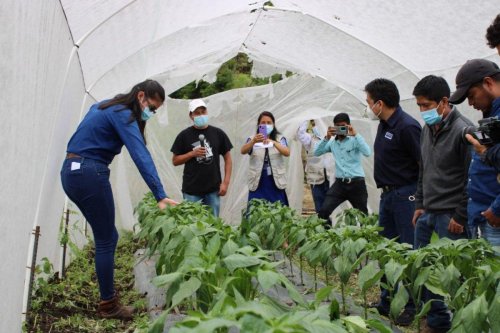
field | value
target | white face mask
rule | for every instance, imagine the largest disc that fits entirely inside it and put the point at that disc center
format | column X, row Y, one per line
column 371, row 115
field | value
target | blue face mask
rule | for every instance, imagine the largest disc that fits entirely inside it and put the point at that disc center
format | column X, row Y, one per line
column 269, row 128
column 146, row 113
column 431, row 117
column 201, row 121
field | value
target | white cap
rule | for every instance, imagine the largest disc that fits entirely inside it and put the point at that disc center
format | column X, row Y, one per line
column 196, row 103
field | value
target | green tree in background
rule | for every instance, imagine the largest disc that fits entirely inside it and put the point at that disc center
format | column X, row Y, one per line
column 233, row 74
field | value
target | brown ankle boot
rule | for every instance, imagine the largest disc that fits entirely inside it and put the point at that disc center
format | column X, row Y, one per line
column 113, row 309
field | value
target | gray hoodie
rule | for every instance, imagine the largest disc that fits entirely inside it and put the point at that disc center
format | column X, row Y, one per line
column 444, row 165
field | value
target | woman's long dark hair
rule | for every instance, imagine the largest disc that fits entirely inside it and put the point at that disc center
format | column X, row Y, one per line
column 275, row 131
column 151, row 88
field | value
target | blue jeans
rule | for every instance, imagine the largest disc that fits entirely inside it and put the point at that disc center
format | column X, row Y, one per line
column 319, row 194
column 491, row 234
column 209, row 199
column 89, row 188
column 438, row 316
column 395, row 214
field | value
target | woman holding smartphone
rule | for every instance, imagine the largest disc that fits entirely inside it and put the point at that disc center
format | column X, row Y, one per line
column 267, row 170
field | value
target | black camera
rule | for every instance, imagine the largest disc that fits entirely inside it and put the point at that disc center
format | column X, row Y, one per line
column 488, row 132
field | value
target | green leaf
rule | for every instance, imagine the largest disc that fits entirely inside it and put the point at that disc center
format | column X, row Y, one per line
column 252, row 324
column 237, row 260
column 334, row 310
column 159, row 323
column 229, row 248
column 322, row 294
column 343, row 268
column 422, row 277
column 399, row 301
column 494, row 314
column 167, row 279
column 213, row 246
column 267, row 279
column 186, row 289
column 434, row 238
column 368, row 276
column 212, row 324
column 292, row 292
column 474, row 315
column 194, row 248
column 355, row 324
column 450, row 279
column 378, row 325
column 424, row 310
column 393, row 272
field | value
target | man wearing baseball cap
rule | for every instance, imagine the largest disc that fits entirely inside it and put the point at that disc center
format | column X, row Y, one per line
column 478, row 80
column 199, row 148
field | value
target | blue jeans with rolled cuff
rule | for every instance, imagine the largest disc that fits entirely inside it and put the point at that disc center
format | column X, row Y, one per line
column 86, row 183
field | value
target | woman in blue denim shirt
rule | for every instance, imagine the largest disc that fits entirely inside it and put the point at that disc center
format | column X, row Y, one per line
column 85, row 174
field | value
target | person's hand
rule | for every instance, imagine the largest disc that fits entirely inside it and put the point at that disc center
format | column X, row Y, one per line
column 223, row 189
column 199, row 152
column 258, row 138
column 330, row 132
column 166, row 201
column 478, row 147
column 492, row 219
column 351, row 130
column 454, row 227
column 416, row 215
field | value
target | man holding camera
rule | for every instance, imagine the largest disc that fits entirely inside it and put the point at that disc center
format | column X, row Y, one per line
column 347, row 147
column 441, row 198
column 476, row 81
column 490, row 155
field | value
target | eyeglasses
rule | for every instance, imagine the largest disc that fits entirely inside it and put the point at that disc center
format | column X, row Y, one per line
column 152, row 108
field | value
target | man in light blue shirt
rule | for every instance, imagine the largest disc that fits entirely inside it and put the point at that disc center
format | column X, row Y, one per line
column 347, row 148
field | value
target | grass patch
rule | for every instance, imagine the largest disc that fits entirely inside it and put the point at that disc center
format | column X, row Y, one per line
column 69, row 304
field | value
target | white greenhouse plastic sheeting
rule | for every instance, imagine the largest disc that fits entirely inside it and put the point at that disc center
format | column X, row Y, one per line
column 58, row 57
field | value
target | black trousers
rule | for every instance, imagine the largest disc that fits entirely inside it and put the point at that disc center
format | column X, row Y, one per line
column 355, row 192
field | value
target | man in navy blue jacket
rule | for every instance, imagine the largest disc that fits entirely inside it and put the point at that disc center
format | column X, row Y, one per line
column 396, row 168
column 474, row 81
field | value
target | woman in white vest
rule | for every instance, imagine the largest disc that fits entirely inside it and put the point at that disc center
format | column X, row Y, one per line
column 267, row 170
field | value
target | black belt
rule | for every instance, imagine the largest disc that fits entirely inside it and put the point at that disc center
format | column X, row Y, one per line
column 350, row 180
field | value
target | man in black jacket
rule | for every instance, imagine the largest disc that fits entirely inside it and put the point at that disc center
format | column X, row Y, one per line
column 441, row 198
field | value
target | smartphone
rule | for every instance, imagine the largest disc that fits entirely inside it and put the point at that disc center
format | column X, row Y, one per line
column 341, row 130
column 263, row 131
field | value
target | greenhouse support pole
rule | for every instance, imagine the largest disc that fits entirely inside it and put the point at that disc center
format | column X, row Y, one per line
column 65, row 244
column 31, row 268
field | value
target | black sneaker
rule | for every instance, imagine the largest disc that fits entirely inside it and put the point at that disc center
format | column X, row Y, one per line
column 382, row 310
column 405, row 318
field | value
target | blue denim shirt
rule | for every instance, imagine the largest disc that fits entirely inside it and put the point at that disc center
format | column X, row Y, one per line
column 347, row 153
column 483, row 187
column 101, row 136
